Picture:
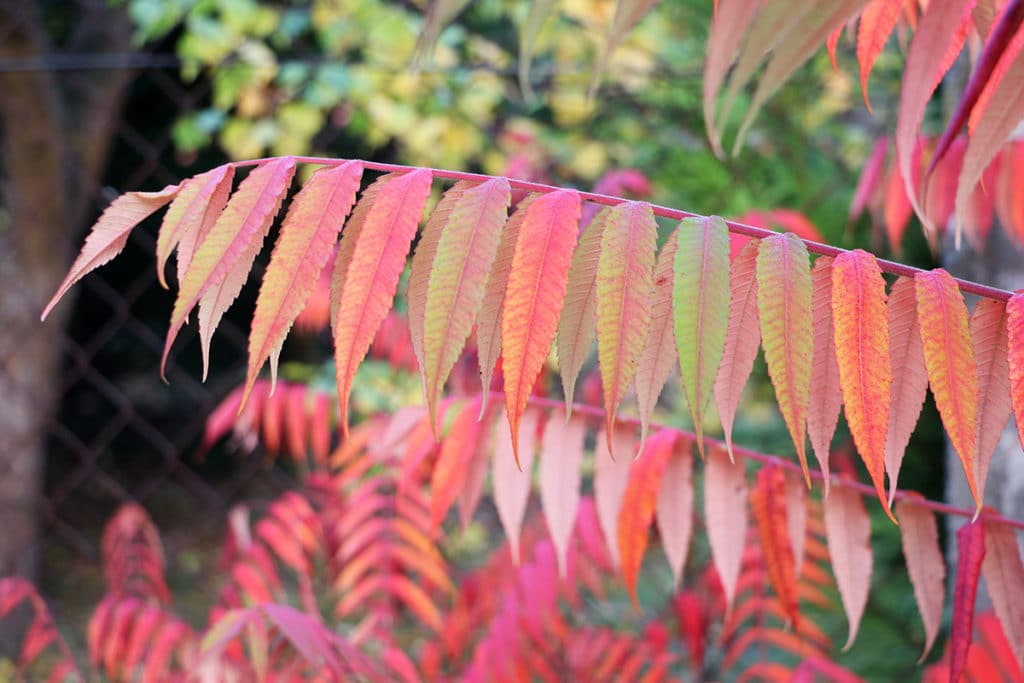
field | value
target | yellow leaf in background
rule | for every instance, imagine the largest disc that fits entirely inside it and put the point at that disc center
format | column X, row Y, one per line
column 571, row 107
column 300, row 119
column 590, row 160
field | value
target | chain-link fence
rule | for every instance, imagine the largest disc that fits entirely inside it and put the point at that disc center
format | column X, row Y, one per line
column 115, row 432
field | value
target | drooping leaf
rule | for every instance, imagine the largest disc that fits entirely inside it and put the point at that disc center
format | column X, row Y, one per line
column 909, row 376
column 700, row 304
column 871, row 176
column 725, row 514
column 796, row 519
column 925, row 565
column 244, row 222
column 452, row 467
column 876, row 24
column 937, row 40
column 741, row 340
column 949, row 359
column 1009, row 201
column 512, row 475
column 848, row 531
column 561, row 453
column 367, row 269
column 1003, row 108
column 659, row 356
column 989, row 343
column 488, row 324
column 826, row 398
column 896, row 208
column 439, row 14
column 970, row 547
column 1004, row 576
column 1015, row 353
column 862, row 351
column 627, row 14
column 625, row 282
column 728, row 26
column 458, row 276
column 110, row 233
column 638, row 505
column 193, row 207
column 423, row 262
column 784, row 309
column 611, row 477
column 768, row 505
column 307, row 238
column 674, row 509
column 795, row 46
column 535, row 295
column 577, row 327
column 538, row 14
column 476, row 471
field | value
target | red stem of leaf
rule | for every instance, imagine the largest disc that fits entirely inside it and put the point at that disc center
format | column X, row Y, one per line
column 675, row 214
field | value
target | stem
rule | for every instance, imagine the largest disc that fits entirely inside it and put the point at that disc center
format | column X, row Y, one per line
column 766, row 459
column 892, row 267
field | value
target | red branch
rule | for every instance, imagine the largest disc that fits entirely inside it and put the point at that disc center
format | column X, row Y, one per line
column 675, row 214
column 765, row 459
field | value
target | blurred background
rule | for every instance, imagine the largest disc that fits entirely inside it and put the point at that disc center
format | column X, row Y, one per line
column 100, row 97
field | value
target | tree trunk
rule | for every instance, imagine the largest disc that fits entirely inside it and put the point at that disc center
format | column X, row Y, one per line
column 54, row 144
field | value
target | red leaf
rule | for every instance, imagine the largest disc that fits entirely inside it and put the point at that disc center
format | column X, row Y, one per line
column 871, row 176
column 728, row 27
column 925, row 564
column 535, row 295
column 725, row 514
column 848, row 530
column 192, row 213
column 512, row 484
column 457, row 450
column 826, row 398
column 1009, row 200
column 370, row 260
column 877, row 21
column 674, row 510
column 862, row 351
column 1015, row 332
column 970, row 546
column 989, row 342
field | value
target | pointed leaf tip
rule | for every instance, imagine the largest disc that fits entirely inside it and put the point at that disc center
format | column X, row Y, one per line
column 700, row 302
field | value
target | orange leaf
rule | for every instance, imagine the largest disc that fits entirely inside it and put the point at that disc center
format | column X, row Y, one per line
column 674, row 509
column 423, row 261
column 476, row 472
column 909, row 376
column 862, row 351
column 638, row 505
column 725, row 514
column 826, row 398
column 877, row 22
column 110, row 234
column 512, row 476
column 452, row 466
column 989, row 343
column 784, row 308
column 1004, row 576
column 307, row 239
column 925, row 564
column 458, row 275
column 535, row 295
column 848, row 530
column 741, row 340
column 370, row 260
column 700, row 304
column 610, row 480
column 625, row 282
column 1015, row 354
column 949, row 359
column 659, row 356
column 768, row 504
column 488, row 324
column 1009, row 201
column 796, row 518
column 196, row 205
column 237, row 233
column 561, row 453
column 577, row 327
